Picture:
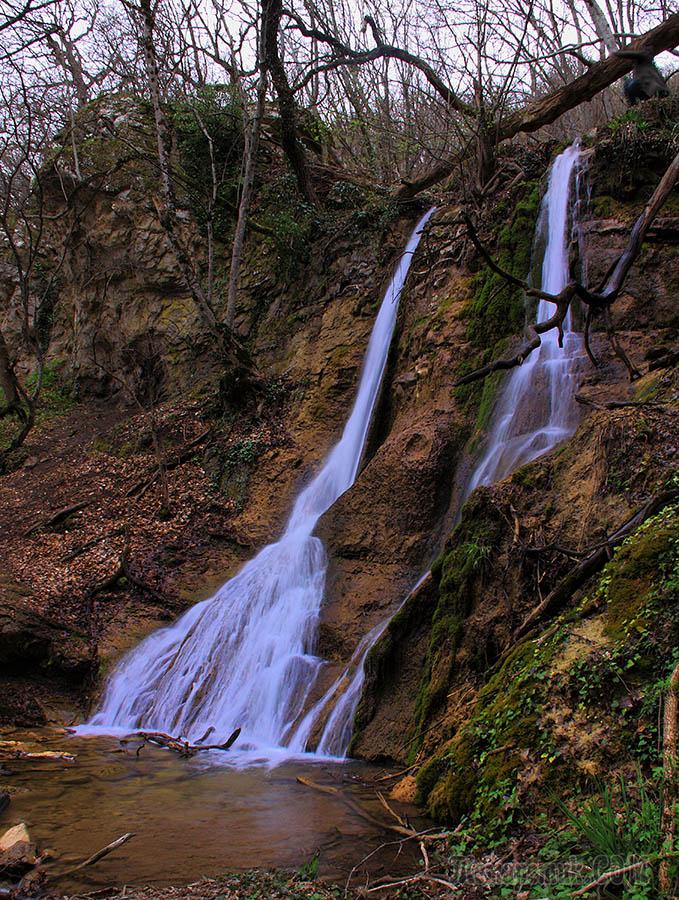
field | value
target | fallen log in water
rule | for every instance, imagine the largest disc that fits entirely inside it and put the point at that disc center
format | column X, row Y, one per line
column 18, row 750
column 183, row 748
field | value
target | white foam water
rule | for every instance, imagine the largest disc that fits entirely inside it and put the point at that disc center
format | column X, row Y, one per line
column 244, row 658
column 536, row 410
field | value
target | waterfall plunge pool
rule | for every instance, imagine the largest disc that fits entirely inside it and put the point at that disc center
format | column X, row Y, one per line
column 194, row 818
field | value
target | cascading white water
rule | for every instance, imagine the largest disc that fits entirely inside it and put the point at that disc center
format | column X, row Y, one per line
column 244, row 658
column 336, row 734
column 535, row 412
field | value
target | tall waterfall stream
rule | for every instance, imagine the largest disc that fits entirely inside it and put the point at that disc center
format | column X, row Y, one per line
column 534, row 413
column 244, row 658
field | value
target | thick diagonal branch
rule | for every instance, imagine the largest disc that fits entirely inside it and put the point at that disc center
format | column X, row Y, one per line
column 592, row 563
column 548, row 109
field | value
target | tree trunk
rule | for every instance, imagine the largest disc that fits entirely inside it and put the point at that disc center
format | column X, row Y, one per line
column 287, row 109
column 485, row 156
column 251, row 147
column 8, row 380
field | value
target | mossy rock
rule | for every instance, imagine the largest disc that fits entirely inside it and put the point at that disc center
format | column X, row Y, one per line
column 618, row 678
column 449, row 783
column 478, row 769
column 497, row 309
column 640, row 567
column 454, row 573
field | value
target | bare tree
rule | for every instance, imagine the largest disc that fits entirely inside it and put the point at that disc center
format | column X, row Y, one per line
column 25, row 120
column 272, row 61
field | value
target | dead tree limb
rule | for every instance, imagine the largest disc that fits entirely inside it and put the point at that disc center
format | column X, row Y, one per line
column 183, row 748
column 613, row 284
column 607, row 876
column 619, row 404
column 593, row 563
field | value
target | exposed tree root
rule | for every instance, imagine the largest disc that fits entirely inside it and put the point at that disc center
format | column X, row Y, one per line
column 57, row 518
column 183, row 455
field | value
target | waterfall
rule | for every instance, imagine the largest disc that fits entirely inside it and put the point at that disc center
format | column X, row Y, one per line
column 336, row 734
column 244, row 658
column 535, row 412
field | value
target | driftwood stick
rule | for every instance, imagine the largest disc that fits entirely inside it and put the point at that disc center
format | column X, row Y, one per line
column 225, row 746
column 100, row 854
column 322, row 788
column 392, row 812
column 614, row 873
column 364, row 814
column 670, row 792
column 393, row 775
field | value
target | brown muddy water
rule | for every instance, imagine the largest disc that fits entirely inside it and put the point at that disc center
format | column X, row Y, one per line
column 194, row 817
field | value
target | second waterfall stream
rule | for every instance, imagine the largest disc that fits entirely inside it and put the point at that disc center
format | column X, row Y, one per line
column 244, row 658
column 535, row 411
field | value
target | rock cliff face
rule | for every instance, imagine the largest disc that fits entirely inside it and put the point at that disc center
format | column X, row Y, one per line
column 114, row 569
column 493, row 721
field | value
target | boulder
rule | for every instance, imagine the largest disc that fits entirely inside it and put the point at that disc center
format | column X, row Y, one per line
column 18, row 854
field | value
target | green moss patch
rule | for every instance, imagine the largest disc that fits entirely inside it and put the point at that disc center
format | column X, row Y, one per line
column 526, row 734
column 497, row 309
column 455, row 573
